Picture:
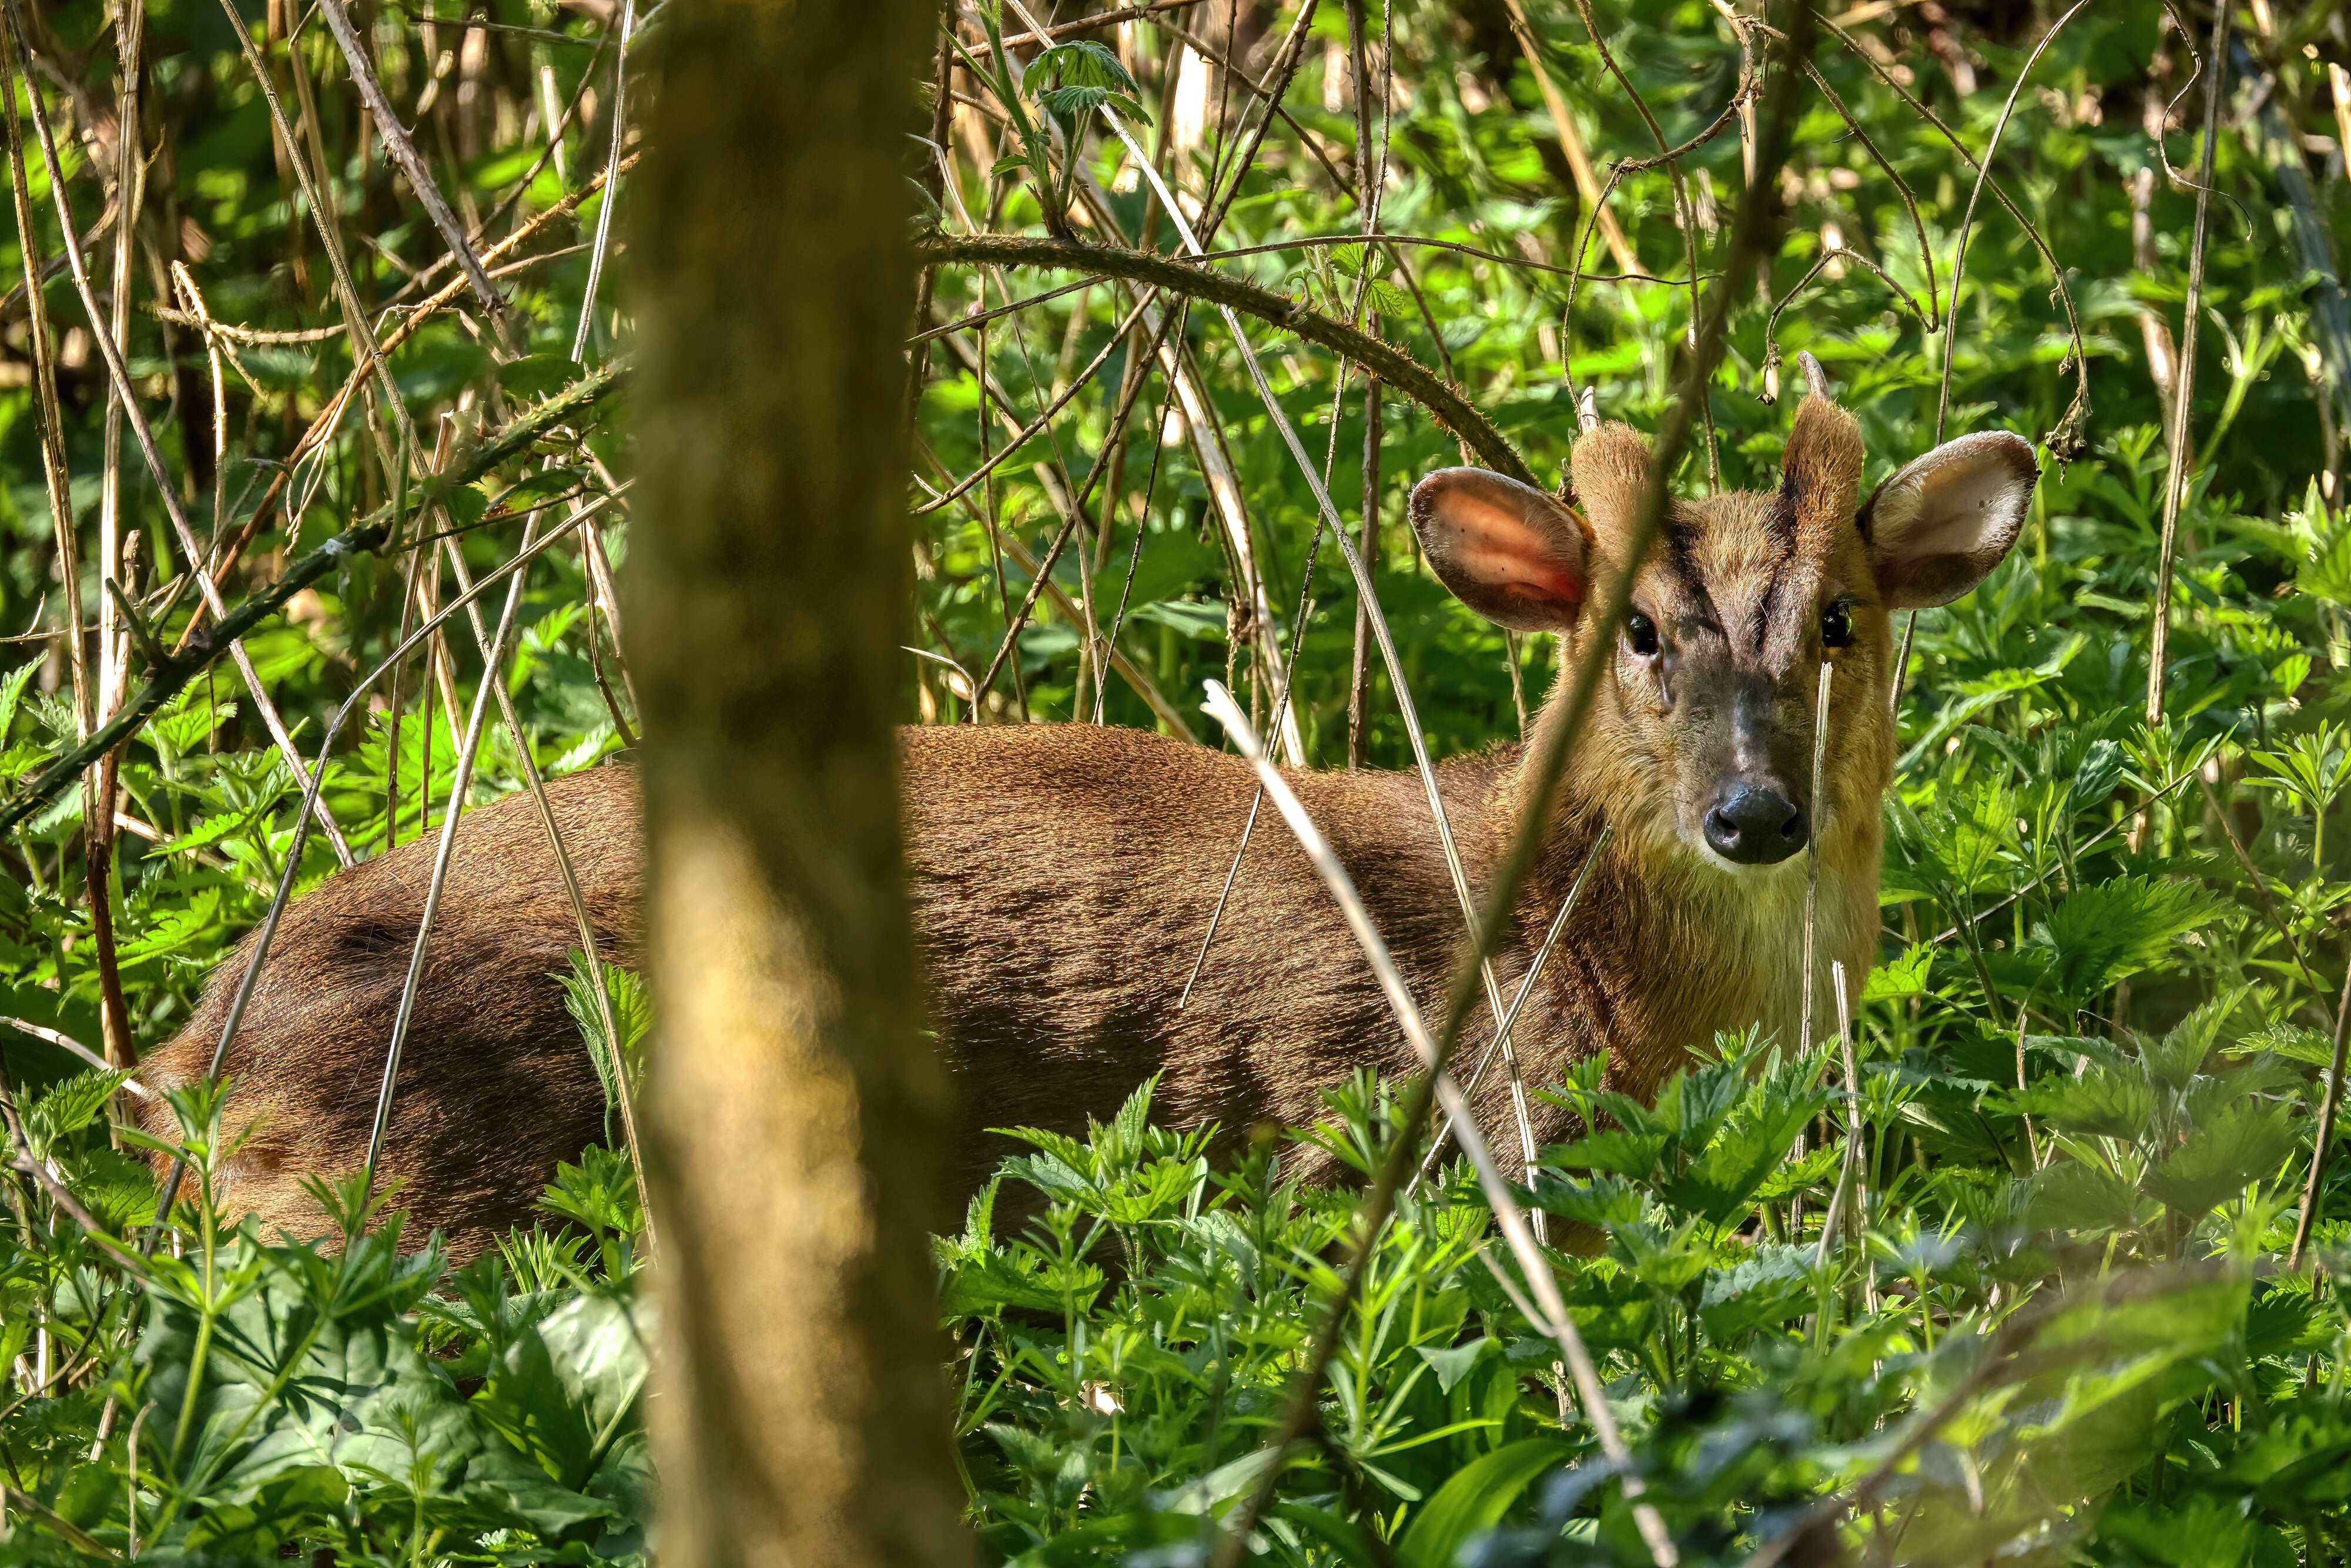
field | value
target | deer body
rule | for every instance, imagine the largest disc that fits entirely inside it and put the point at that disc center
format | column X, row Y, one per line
column 1063, row 877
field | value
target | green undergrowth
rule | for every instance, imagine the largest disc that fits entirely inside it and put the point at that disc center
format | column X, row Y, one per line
column 2059, row 1317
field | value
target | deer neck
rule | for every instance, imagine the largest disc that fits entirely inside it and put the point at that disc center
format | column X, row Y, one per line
column 1667, row 946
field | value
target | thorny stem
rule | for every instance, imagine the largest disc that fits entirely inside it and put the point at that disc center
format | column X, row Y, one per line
column 363, row 537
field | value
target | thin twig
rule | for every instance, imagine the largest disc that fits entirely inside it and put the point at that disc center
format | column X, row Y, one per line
column 363, row 537
column 2183, row 394
column 404, row 152
column 612, row 169
column 1098, row 21
column 401, row 331
column 1301, row 242
column 1968, row 218
column 166, row 490
column 1021, row 438
column 1812, row 859
column 1526, row 988
column 2328, row 1109
column 1538, row 1270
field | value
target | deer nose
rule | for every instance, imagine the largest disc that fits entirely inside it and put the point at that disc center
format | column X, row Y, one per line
column 1755, row 825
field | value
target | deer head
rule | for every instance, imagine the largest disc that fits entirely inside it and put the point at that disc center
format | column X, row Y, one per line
column 1699, row 744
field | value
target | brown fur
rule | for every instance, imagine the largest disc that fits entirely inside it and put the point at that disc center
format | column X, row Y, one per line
column 1063, row 877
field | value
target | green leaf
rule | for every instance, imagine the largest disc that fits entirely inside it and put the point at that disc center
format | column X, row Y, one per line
column 1722, row 1181
column 2108, row 931
column 1607, row 1201
column 536, row 376
column 68, row 1107
column 2098, row 1104
column 1613, row 1149
column 1770, row 1285
column 1451, row 1365
column 2327, row 574
column 2080, row 1195
column 12, row 691
column 1069, row 102
column 1903, row 978
column 631, row 1008
column 2295, row 1042
column 567, row 1385
column 1089, row 63
column 1343, row 1536
column 1475, row 1500
column 2247, row 1144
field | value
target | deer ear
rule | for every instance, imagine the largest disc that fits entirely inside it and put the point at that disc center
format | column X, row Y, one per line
column 1938, row 527
column 1506, row 550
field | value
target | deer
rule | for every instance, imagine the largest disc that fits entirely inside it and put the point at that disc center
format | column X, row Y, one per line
column 1063, row 876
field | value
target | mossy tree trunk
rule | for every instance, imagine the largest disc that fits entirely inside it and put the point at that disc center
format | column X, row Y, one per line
column 798, row 1117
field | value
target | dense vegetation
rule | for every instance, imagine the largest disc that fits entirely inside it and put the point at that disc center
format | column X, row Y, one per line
column 2030, row 1285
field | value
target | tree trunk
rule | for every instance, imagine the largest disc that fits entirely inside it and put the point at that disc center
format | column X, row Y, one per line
column 798, row 1117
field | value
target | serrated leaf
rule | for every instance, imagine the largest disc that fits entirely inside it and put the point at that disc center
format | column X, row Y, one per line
column 2246, row 1145
column 2097, row 1104
column 1451, row 1365
column 2295, row 1042
column 1800, row 1175
column 2078, row 1196
column 1613, row 1149
column 1903, row 977
column 1069, row 102
column 69, row 1106
column 2327, row 573
column 12, row 692
column 1602, row 1202
column 1086, row 62
column 2110, row 931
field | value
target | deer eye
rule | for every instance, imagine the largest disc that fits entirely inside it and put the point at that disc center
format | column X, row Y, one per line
column 1641, row 634
column 1836, row 626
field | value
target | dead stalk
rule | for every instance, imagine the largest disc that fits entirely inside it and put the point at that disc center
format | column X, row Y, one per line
column 331, row 416
column 1538, row 1270
column 2184, row 394
column 1021, row 436
column 612, row 167
column 1968, row 217
column 1813, row 859
column 461, row 780
column 268, row 930
column 1526, row 988
column 166, row 491
column 2328, row 1109
column 492, row 657
column 396, row 141
column 1849, row 1190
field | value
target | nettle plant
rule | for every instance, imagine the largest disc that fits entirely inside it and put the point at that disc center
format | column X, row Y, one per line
column 1121, row 1358
column 254, row 1398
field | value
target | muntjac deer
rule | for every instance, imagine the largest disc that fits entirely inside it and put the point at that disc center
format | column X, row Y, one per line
column 1063, row 876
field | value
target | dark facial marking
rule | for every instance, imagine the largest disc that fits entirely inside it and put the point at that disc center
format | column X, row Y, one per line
column 1766, row 609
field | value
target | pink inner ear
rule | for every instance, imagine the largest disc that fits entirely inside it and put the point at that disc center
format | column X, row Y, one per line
column 1498, row 549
